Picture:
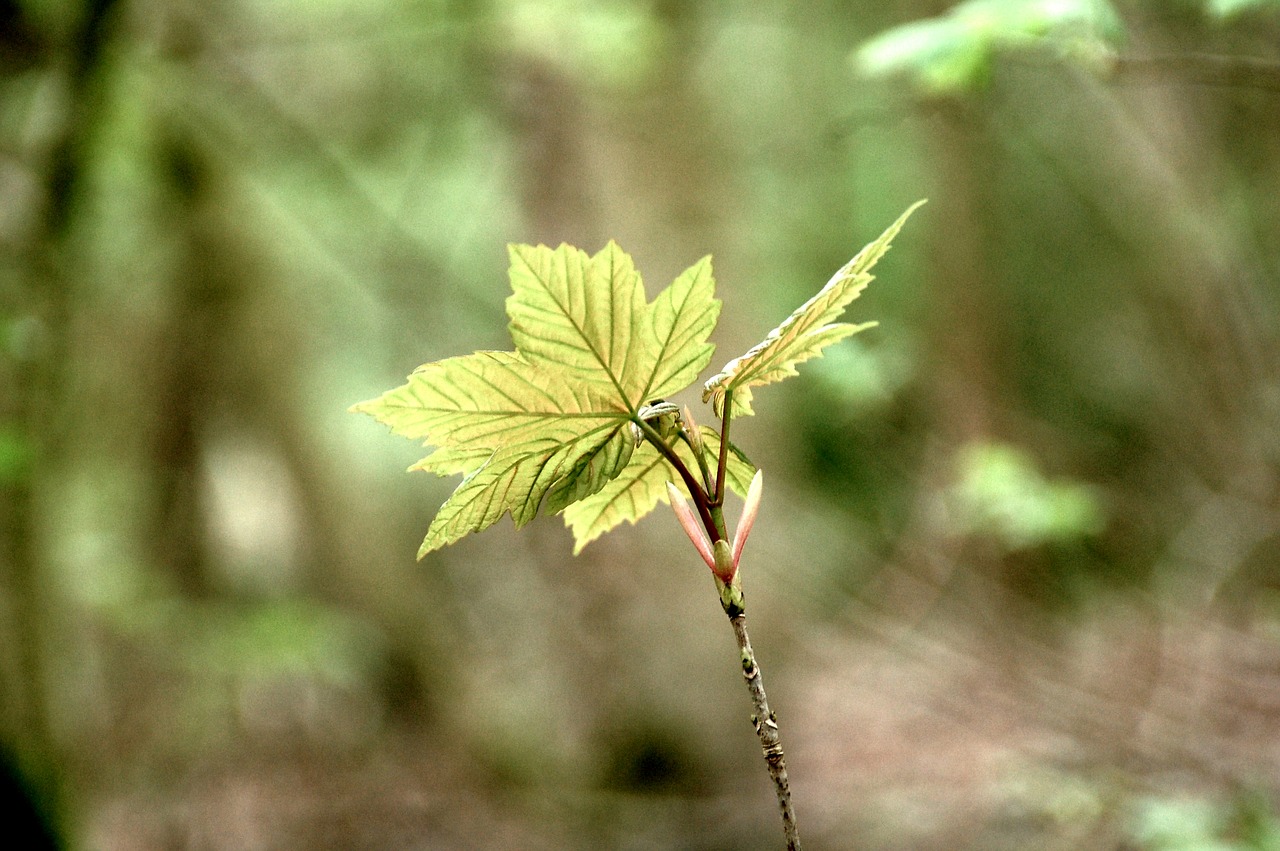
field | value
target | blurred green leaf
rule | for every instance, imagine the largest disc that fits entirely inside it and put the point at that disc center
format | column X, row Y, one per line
column 935, row 51
column 1245, row 823
column 953, row 52
column 1001, row 493
column 15, row 455
column 1227, row 9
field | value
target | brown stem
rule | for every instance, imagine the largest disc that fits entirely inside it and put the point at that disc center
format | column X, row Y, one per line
column 695, row 490
column 1203, row 68
column 767, row 729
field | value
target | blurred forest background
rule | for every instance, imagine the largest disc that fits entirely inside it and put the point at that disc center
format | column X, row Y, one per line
column 1015, row 580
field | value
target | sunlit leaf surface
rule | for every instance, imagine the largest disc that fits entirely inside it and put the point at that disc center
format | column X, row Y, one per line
column 804, row 334
column 545, row 426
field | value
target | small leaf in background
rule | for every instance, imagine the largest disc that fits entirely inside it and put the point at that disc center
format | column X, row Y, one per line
column 1227, row 10
column 954, row 52
column 940, row 56
column 1242, row 819
column 547, row 425
column 15, row 455
column 1000, row 492
column 804, row 334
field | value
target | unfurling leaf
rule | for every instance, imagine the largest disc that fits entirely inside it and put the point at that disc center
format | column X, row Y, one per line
column 804, row 334
column 689, row 523
column 750, row 508
column 546, row 426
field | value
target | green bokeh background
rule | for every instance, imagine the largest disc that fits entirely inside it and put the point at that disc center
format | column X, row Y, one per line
column 1014, row 580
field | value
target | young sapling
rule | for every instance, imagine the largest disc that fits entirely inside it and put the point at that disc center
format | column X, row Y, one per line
column 574, row 420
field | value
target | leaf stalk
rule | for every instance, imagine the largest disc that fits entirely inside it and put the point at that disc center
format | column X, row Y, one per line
column 695, row 489
column 723, row 462
column 689, row 434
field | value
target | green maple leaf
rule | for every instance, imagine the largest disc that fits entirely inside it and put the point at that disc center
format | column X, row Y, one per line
column 547, row 425
column 804, row 334
column 566, row 422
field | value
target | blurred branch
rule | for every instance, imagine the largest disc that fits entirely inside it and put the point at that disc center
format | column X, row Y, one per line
column 64, row 168
column 1205, row 69
column 226, row 105
column 1202, row 68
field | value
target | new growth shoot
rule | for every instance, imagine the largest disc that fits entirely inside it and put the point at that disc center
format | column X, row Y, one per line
column 573, row 421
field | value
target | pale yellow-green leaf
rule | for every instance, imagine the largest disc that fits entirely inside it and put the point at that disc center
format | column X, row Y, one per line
column 452, row 461
column 481, row 402
column 631, row 495
column 803, row 334
column 681, row 317
column 588, row 316
column 516, row 480
column 547, row 425
column 579, row 314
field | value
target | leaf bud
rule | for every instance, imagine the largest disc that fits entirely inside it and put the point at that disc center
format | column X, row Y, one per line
column 724, row 567
column 689, row 522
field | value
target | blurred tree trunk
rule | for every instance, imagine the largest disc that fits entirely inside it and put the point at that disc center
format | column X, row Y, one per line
column 38, row 406
column 964, row 363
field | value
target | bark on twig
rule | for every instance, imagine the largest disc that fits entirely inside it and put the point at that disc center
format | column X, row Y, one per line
column 767, row 729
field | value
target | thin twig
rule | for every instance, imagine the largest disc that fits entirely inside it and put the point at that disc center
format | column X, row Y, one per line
column 1203, row 68
column 767, row 729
